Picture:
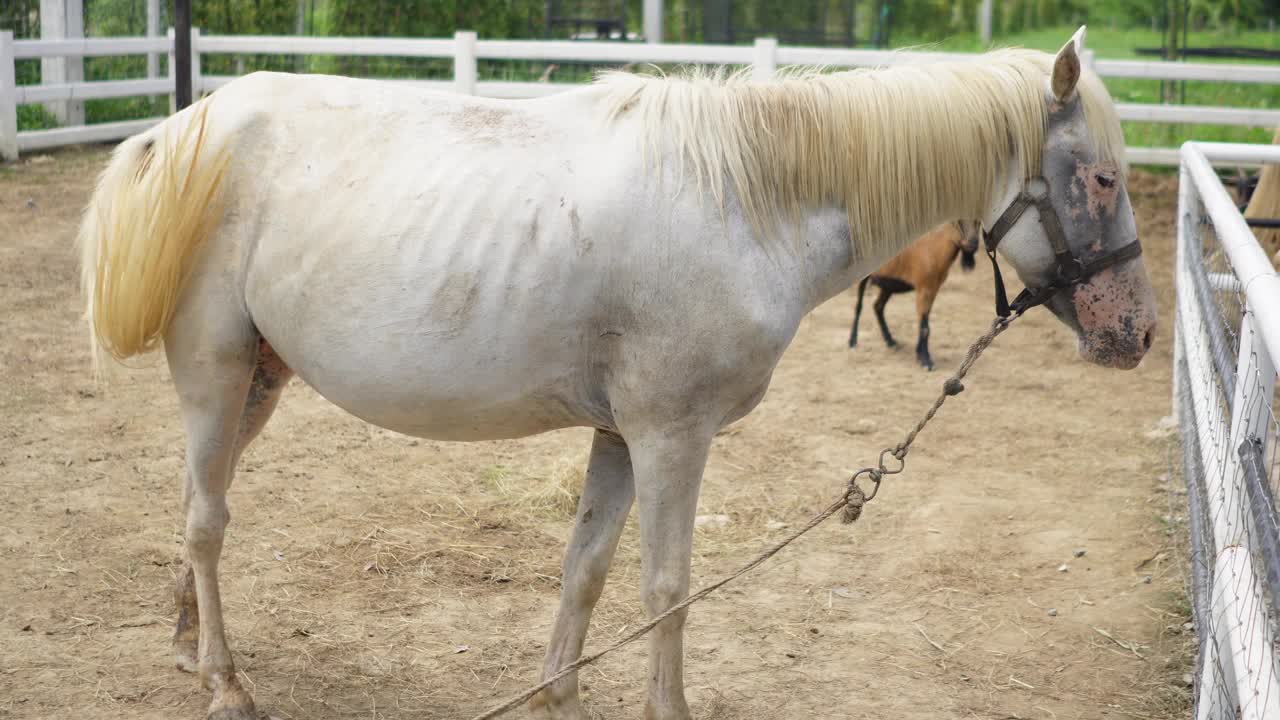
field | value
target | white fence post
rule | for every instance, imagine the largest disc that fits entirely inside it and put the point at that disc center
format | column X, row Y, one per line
column 764, row 63
column 464, row 62
column 652, row 21
column 8, row 99
column 173, row 74
column 196, row 76
column 984, row 23
column 62, row 20
column 153, row 30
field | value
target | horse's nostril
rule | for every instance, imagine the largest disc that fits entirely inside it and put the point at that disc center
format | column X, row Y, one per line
column 1147, row 339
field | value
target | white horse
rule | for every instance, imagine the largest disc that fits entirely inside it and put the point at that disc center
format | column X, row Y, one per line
column 633, row 256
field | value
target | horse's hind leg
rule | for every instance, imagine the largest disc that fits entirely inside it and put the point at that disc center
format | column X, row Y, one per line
column 270, row 375
column 881, row 302
column 212, row 354
column 607, row 495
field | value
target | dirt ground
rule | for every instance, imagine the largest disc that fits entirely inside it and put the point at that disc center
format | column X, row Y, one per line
column 371, row 575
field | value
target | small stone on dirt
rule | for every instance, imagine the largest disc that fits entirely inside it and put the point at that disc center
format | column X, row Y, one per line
column 31, row 203
column 277, row 555
column 1053, row 612
column 1063, row 567
column 1146, row 579
column 1187, row 679
column 1079, row 552
column 1166, row 427
column 711, row 522
column 775, row 525
column 461, row 649
column 862, row 427
column 1188, row 627
column 841, row 592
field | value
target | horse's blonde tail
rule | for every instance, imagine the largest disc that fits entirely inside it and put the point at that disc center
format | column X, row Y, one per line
column 154, row 206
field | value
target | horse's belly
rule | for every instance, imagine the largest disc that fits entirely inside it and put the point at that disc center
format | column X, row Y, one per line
column 430, row 411
column 447, row 390
column 443, row 349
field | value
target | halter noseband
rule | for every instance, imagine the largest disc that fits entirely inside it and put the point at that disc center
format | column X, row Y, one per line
column 1067, row 268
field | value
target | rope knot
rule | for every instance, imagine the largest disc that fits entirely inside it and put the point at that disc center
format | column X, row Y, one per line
column 854, row 499
column 953, row 387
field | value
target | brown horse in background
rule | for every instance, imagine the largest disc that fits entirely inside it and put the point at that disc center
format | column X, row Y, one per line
column 922, row 267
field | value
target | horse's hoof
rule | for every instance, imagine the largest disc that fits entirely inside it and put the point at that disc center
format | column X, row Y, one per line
column 235, row 714
column 668, row 711
column 552, row 707
column 232, row 703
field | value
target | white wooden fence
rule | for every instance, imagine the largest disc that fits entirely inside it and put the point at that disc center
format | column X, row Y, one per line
column 765, row 56
column 1227, row 341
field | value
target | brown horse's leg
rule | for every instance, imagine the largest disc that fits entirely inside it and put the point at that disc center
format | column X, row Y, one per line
column 924, row 304
column 857, row 311
column 269, row 378
column 881, row 302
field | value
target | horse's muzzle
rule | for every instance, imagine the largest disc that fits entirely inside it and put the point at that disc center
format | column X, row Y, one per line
column 1115, row 313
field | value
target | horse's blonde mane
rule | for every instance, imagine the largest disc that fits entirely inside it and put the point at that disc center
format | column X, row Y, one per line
column 899, row 147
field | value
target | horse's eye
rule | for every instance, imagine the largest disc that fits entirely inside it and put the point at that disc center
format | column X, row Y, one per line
column 1106, row 181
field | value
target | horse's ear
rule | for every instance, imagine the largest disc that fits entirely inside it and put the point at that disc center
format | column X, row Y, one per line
column 1066, row 67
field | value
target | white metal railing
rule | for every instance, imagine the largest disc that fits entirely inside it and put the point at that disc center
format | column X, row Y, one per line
column 465, row 49
column 1227, row 337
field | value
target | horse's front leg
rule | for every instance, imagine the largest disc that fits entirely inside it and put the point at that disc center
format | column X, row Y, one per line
column 668, row 468
column 606, row 499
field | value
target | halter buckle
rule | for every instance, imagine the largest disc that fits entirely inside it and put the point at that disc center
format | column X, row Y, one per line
column 1037, row 188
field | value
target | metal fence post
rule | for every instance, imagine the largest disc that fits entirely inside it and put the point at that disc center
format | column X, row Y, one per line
column 464, row 62
column 764, row 63
column 182, row 52
column 8, row 99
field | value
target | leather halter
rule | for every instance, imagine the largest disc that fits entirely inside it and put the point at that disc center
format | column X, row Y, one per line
column 1068, row 270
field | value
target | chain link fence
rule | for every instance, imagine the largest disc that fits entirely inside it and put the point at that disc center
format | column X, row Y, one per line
column 1225, row 393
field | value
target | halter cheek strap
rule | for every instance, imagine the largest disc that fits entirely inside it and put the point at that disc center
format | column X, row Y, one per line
column 1067, row 270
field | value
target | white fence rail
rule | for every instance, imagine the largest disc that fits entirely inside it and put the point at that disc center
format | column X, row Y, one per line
column 464, row 49
column 1227, row 338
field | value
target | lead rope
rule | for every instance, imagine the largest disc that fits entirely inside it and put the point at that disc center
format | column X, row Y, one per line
column 851, row 501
